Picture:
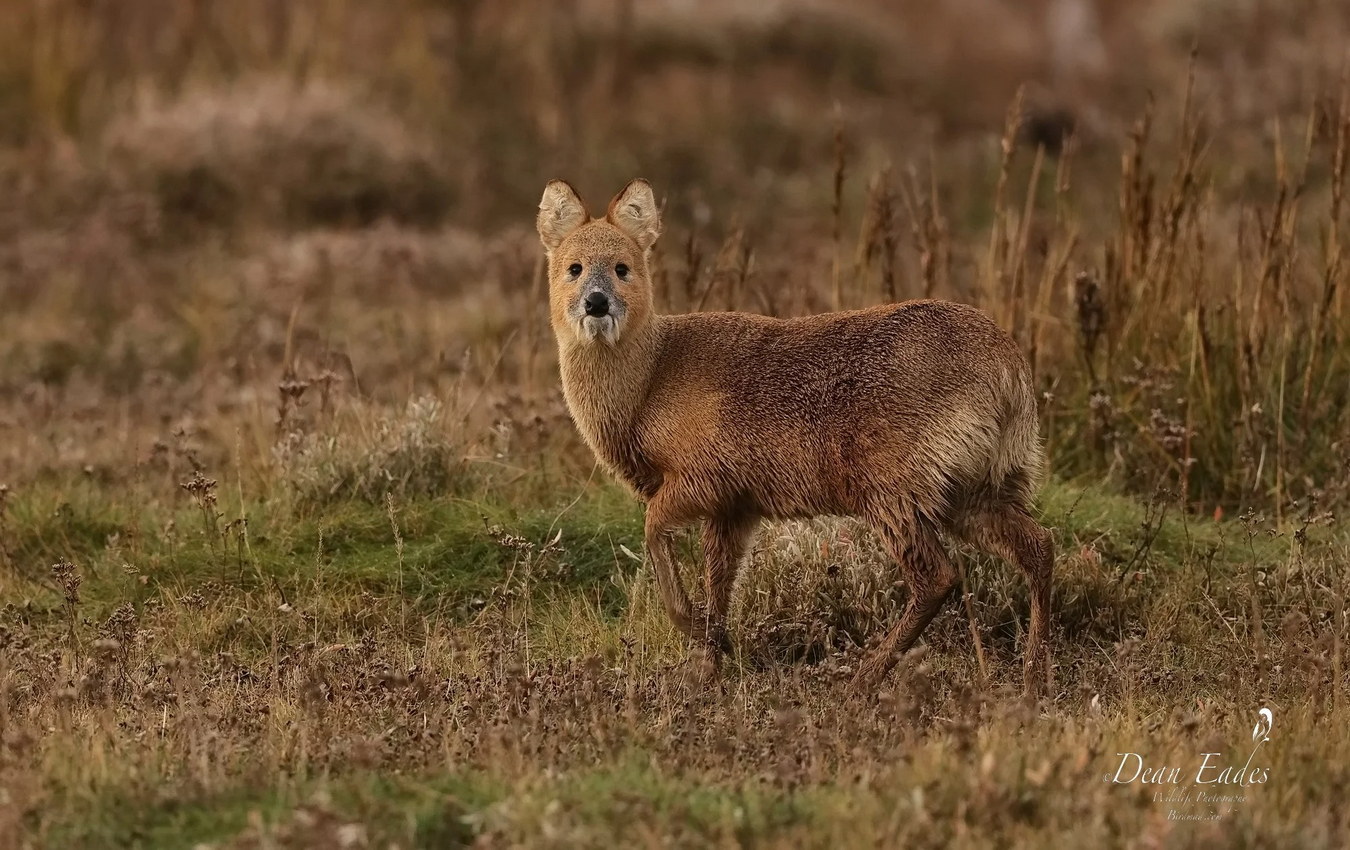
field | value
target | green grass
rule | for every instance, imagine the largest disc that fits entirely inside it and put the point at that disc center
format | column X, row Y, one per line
column 448, row 809
column 416, row 811
column 331, row 577
column 448, row 554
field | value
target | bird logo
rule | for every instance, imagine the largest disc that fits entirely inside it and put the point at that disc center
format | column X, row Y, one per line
column 1264, row 721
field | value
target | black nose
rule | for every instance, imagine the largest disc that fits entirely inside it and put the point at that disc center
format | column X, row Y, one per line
column 597, row 304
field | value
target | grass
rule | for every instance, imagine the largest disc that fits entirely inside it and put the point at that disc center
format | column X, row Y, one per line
column 444, row 553
column 434, row 553
column 453, row 688
column 452, row 810
column 416, row 811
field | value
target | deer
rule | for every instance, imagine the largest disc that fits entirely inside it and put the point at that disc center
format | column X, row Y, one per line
column 918, row 418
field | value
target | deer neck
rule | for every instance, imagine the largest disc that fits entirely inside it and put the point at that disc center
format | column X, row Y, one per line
column 606, row 387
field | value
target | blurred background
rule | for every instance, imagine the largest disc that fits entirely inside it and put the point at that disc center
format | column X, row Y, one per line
column 226, row 226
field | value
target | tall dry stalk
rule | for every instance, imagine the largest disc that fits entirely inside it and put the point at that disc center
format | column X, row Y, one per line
column 837, row 211
column 996, row 263
column 1333, row 251
column 878, row 240
column 929, row 232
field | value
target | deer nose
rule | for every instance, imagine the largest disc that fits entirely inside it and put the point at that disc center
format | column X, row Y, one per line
column 597, row 304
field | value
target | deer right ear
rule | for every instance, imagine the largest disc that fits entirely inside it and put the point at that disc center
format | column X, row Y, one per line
column 634, row 211
column 560, row 212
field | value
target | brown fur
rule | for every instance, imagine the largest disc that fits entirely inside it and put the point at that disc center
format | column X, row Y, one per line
column 919, row 418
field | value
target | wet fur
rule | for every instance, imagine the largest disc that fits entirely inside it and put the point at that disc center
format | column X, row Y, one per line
column 918, row 417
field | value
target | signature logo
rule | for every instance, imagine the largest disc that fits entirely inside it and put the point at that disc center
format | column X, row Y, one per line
column 1209, row 787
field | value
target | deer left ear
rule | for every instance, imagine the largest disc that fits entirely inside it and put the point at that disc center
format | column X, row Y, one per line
column 634, row 212
column 560, row 212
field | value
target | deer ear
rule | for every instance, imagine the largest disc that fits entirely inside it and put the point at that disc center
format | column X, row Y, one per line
column 634, row 212
column 560, row 212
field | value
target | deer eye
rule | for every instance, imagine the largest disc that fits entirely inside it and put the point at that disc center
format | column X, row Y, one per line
column 574, row 270
column 621, row 270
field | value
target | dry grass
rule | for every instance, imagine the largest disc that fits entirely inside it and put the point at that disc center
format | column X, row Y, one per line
column 296, row 703
column 298, row 547
column 276, row 153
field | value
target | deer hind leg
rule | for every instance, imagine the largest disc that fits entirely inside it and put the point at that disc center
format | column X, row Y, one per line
column 1009, row 532
column 918, row 550
column 725, row 539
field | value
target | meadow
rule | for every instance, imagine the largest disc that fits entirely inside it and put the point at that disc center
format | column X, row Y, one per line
column 299, row 547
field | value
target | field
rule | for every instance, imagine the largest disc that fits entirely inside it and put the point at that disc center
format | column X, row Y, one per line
column 299, row 547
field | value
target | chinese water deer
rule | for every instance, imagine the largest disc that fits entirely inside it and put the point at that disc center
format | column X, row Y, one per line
column 918, row 418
